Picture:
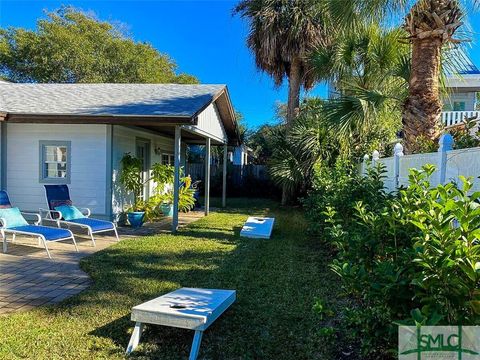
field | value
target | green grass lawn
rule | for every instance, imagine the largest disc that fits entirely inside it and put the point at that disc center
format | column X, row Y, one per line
column 277, row 282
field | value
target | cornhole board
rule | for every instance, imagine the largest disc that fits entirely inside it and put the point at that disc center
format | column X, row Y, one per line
column 186, row 308
column 258, row 227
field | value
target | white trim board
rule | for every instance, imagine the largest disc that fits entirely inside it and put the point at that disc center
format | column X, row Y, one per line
column 258, row 227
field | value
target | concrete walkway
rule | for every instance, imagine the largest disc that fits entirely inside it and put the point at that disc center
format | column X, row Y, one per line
column 28, row 278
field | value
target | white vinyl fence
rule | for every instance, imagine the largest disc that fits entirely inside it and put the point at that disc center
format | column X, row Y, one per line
column 450, row 164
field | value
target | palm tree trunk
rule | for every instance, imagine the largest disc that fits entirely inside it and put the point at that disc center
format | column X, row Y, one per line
column 422, row 109
column 294, row 82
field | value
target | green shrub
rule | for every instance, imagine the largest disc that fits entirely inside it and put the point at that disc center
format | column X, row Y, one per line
column 465, row 135
column 410, row 258
column 339, row 188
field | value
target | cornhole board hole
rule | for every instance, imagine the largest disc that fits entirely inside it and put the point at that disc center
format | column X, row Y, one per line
column 258, row 227
column 186, row 308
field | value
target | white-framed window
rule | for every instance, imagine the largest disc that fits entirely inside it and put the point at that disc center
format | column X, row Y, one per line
column 55, row 161
column 168, row 159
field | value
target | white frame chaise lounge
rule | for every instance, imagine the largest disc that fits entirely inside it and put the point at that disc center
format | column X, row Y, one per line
column 13, row 222
column 58, row 195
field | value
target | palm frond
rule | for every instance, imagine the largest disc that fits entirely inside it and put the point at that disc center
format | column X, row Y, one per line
column 283, row 30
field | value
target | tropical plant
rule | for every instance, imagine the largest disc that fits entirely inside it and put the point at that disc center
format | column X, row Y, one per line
column 282, row 33
column 149, row 207
column 261, row 142
column 296, row 152
column 430, row 26
column 186, row 199
column 131, row 178
column 368, row 71
column 162, row 175
column 72, row 46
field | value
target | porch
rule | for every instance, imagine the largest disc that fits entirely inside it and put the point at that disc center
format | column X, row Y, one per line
column 30, row 279
column 450, row 118
column 94, row 125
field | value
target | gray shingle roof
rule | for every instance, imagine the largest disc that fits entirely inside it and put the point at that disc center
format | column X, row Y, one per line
column 106, row 99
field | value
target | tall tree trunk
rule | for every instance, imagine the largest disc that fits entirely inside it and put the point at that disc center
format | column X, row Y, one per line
column 422, row 109
column 431, row 24
column 294, row 81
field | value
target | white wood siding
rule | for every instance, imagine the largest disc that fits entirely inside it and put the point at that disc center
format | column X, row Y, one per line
column 210, row 122
column 88, row 164
column 124, row 139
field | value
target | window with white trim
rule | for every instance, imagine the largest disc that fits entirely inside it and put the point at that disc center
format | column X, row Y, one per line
column 55, row 161
column 168, row 159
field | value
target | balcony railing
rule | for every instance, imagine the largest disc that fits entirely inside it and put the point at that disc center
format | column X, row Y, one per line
column 454, row 117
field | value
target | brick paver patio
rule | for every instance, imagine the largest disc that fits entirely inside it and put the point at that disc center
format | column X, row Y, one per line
column 28, row 278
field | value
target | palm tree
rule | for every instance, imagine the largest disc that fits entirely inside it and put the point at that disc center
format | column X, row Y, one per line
column 431, row 24
column 282, row 33
column 307, row 143
column 370, row 71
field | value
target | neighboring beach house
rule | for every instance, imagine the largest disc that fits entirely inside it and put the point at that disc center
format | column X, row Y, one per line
column 461, row 101
column 78, row 133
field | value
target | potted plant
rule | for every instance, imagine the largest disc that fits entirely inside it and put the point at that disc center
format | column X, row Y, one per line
column 166, row 203
column 163, row 176
column 131, row 179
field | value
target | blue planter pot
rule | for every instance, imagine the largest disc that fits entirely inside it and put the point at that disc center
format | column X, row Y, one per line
column 167, row 209
column 136, row 218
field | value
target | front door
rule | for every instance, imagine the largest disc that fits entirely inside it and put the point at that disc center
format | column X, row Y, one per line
column 143, row 153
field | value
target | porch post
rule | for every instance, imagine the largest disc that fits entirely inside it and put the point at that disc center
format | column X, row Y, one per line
column 176, row 177
column 207, row 176
column 224, row 177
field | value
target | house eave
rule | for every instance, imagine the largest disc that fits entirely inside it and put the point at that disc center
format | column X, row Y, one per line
column 138, row 120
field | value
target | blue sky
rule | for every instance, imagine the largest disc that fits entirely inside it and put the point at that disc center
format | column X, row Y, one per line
column 202, row 37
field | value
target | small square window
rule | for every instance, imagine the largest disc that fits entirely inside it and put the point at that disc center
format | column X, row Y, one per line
column 167, row 159
column 55, row 162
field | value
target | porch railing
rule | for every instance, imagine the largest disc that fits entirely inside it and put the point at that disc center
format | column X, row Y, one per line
column 454, row 117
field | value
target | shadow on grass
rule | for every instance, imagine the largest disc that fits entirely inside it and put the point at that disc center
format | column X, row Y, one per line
column 276, row 280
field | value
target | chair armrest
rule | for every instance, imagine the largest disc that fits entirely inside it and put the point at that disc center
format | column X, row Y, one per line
column 85, row 211
column 37, row 220
column 50, row 214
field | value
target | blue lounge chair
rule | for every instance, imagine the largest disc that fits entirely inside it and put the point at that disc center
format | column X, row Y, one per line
column 13, row 222
column 61, row 210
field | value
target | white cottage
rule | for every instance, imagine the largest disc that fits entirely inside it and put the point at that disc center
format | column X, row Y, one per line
column 78, row 133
